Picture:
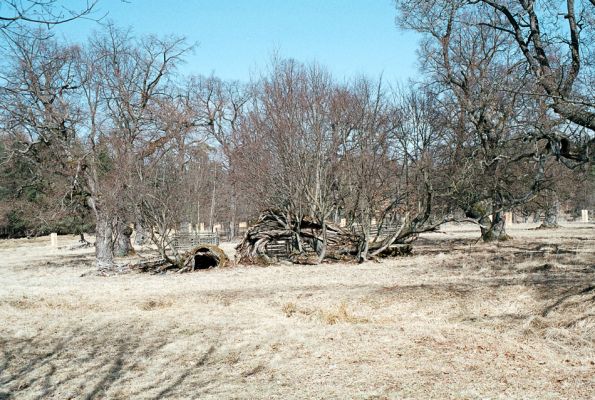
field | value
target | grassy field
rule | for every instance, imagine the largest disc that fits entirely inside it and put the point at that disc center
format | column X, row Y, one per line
column 458, row 319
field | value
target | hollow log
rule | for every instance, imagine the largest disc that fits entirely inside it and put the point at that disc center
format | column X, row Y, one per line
column 202, row 256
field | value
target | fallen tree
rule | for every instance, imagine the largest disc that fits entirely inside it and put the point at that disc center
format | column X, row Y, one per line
column 202, row 256
column 300, row 240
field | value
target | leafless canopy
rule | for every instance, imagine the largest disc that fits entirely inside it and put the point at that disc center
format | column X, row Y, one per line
column 551, row 43
column 41, row 12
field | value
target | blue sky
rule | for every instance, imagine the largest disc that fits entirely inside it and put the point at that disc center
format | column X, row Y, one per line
column 236, row 38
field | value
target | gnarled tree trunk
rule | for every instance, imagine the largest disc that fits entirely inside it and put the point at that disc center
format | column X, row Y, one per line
column 496, row 229
column 491, row 229
column 319, row 241
column 123, row 246
column 141, row 237
column 551, row 214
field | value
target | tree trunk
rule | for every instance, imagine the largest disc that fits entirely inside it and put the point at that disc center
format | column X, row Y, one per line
column 536, row 217
column 579, row 114
column 123, row 246
column 551, row 214
column 385, row 244
column 198, row 215
column 496, row 228
column 103, row 242
column 363, row 248
column 322, row 252
column 140, row 236
column 211, row 217
column 326, row 239
column 82, row 238
column 232, row 224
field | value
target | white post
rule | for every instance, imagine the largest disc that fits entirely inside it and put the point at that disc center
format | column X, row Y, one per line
column 585, row 216
column 54, row 239
column 508, row 216
column 343, row 223
column 189, row 227
column 202, row 227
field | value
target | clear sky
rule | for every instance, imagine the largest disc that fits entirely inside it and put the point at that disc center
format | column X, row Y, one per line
column 235, row 38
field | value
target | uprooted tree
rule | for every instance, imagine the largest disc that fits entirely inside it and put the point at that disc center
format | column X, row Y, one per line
column 302, row 241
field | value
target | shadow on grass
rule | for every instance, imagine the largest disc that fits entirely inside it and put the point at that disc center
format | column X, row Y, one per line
column 185, row 373
column 84, row 364
column 555, row 288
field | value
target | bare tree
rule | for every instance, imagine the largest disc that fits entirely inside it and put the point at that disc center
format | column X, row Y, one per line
column 222, row 106
column 40, row 118
column 313, row 150
column 174, row 173
column 496, row 126
column 550, row 41
column 97, row 109
column 369, row 164
column 134, row 76
column 40, row 12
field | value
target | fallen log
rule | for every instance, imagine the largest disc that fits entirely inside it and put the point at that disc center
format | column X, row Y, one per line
column 202, row 256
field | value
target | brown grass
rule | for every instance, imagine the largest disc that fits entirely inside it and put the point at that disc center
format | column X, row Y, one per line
column 334, row 315
column 457, row 319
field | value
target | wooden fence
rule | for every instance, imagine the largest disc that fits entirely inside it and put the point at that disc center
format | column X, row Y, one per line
column 186, row 241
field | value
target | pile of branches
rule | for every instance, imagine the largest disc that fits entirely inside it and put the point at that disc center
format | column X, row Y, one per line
column 305, row 237
column 202, row 256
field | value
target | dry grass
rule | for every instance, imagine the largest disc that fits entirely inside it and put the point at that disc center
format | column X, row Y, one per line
column 334, row 315
column 458, row 319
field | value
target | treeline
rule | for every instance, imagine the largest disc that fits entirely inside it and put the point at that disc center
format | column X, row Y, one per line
column 106, row 135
